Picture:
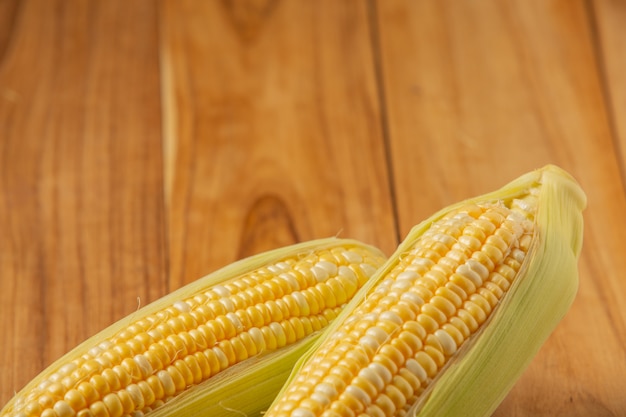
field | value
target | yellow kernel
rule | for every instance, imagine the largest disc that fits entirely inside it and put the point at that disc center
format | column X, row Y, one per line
column 98, row 409
column 190, row 345
column 221, row 357
column 468, row 319
column 385, row 404
column 427, row 363
column 113, row 405
column 465, row 284
column 433, row 312
column 136, row 396
column 393, row 354
column 146, row 392
column 290, row 333
column 177, row 378
column 494, row 288
column 126, row 401
column 476, row 311
column 88, row 391
column 112, row 379
column 406, row 382
column 75, row 399
column 63, row 409
column 444, row 305
column 123, row 350
column 185, row 372
column 342, row 409
column 450, row 295
column 351, row 401
column 100, row 384
column 415, row 328
column 395, row 395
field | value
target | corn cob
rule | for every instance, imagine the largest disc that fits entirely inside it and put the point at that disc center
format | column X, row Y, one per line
column 452, row 319
column 208, row 344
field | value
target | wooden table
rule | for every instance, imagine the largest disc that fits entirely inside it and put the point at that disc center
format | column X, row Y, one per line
column 146, row 143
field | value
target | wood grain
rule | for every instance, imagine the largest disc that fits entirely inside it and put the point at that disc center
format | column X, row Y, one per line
column 81, row 213
column 144, row 144
column 480, row 92
column 608, row 18
column 273, row 130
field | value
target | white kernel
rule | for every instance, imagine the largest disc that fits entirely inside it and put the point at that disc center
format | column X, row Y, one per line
column 258, row 339
column 359, row 394
column 423, row 262
column 67, row 368
column 479, row 268
column 221, row 357
column 470, row 274
column 377, row 333
column 373, row 378
column 369, row 342
column 381, row 371
column 368, row 269
column 44, row 384
column 319, row 273
column 283, row 266
column 330, row 267
column 235, row 320
column 409, row 276
column 444, row 238
column 302, row 412
column 326, row 389
column 105, row 345
column 94, row 351
column 274, row 269
column 352, row 257
column 63, row 409
column 290, row 280
column 144, row 365
column 303, row 306
column 346, row 272
column 169, row 388
column 55, row 377
column 518, row 255
column 182, row 306
column 392, row 317
column 221, row 290
column 416, row 369
column 104, row 361
column 411, row 297
column 320, row 398
column 401, row 285
column 447, row 342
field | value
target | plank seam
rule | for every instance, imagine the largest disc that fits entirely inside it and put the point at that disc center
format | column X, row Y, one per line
column 374, row 32
column 600, row 64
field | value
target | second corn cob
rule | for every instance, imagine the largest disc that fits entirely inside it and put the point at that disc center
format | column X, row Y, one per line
column 254, row 317
column 455, row 315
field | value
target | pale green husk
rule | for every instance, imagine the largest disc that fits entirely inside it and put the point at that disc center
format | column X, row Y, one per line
column 487, row 366
column 248, row 387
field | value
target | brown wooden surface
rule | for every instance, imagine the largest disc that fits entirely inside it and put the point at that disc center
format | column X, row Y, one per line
column 146, row 143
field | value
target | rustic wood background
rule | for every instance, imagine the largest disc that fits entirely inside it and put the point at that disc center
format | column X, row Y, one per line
column 145, row 143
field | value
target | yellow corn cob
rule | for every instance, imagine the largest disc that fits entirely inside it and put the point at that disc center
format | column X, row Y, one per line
column 220, row 335
column 452, row 319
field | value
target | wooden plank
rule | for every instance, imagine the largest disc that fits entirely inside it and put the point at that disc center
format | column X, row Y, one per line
column 609, row 24
column 273, row 130
column 479, row 92
column 81, row 200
